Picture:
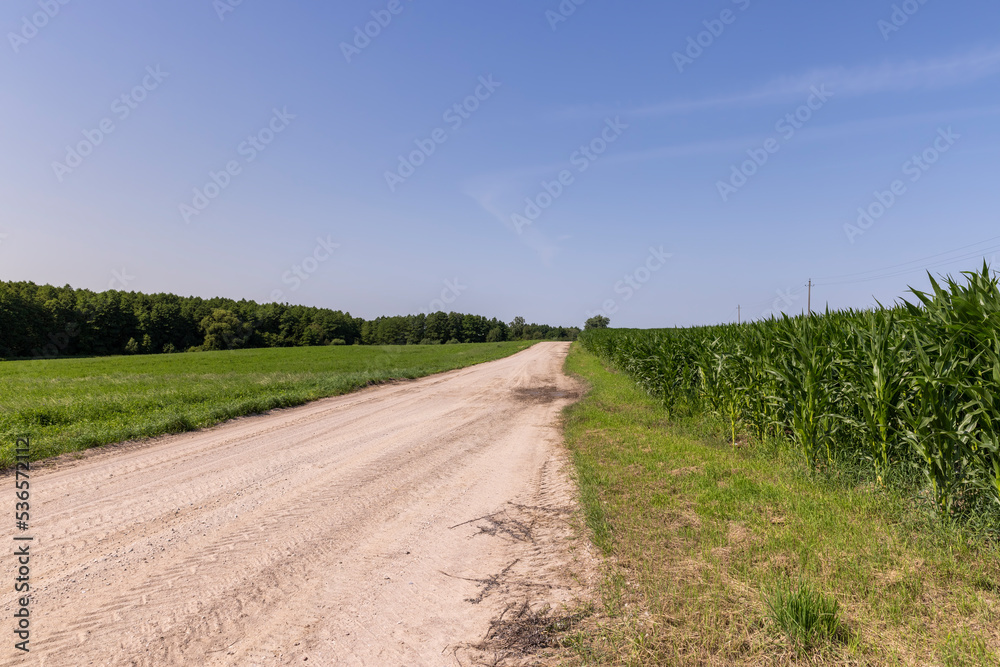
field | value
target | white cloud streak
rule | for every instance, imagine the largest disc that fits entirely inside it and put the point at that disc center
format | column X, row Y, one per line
column 887, row 77
column 490, row 191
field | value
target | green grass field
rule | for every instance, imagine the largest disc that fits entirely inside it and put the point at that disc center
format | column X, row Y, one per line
column 67, row 405
column 723, row 555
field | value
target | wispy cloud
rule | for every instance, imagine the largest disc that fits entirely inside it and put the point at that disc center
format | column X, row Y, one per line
column 499, row 193
column 495, row 190
column 829, row 132
column 488, row 191
column 887, row 77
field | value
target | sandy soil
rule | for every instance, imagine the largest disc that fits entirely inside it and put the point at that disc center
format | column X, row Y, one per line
column 385, row 527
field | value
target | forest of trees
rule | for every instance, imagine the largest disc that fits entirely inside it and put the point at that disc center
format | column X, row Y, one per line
column 46, row 321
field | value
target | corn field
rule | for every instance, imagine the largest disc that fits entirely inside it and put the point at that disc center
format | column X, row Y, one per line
column 912, row 390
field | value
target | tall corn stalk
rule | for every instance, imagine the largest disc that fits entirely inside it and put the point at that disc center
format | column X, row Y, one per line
column 915, row 385
column 877, row 383
column 803, row 363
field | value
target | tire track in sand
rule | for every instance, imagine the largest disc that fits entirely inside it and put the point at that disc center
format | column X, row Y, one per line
column 322, row 532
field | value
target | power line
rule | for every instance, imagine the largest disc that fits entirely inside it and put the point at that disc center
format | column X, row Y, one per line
column 885, row 272
column 916, row 261
column 771, row 299
column 915, row 269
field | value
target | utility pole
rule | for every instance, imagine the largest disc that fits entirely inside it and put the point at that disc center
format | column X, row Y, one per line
column 809, row 299
column 739, row 315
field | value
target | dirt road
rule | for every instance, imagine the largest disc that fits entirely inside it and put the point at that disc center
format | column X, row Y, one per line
column 320, row 535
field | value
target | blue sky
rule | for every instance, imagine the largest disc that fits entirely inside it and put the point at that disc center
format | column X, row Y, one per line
column 660, row 163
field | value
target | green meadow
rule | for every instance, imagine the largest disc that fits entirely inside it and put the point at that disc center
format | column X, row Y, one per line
column 71, row 404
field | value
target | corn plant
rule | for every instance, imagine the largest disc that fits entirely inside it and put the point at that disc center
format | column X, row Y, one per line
column 803, row 368
column 917, row 384
column 876, row 381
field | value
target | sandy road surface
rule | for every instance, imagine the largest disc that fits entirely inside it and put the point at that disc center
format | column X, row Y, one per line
column 320, row 535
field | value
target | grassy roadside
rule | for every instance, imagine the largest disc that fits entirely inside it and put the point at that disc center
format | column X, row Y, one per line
column 701, row 537
column 67, row 405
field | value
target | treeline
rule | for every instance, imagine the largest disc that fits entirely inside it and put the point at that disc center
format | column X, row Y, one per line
column 47, row 321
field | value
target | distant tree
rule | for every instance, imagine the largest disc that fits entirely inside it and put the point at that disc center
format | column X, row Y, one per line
column 415, row 331
column 326, row 325
column 474, row 329
column 46, row 321
column 597, row 322
column 367, row 333
column 224, row 331
column 516, row 328
column 314, row 334
column 455, row 326
column 291, row 326
column 436, row 327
